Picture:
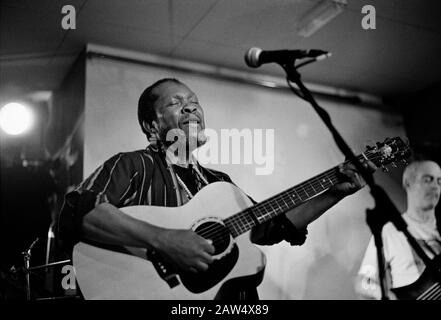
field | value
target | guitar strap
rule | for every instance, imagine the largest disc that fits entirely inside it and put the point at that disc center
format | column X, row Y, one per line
column 200, row 181
column 430, row 247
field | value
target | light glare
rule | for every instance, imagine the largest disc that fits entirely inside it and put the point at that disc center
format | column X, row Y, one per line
column 15, row 118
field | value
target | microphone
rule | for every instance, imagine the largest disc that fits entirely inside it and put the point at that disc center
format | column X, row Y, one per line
column 255, row 57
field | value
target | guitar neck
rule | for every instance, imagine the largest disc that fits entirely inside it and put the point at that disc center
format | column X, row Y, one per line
column 283, row 202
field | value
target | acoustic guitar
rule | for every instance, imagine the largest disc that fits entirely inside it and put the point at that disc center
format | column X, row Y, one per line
column 220, row 212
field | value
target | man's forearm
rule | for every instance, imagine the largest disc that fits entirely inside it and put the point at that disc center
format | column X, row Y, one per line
column 304, row 214
column 107, row 224
column 184, row 248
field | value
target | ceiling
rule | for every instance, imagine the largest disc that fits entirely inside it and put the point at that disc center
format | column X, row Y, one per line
column 401, row 56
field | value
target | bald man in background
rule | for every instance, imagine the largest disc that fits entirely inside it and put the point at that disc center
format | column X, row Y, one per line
column 422, row 183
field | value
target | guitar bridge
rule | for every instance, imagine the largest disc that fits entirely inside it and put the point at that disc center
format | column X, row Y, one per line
column 167, row 274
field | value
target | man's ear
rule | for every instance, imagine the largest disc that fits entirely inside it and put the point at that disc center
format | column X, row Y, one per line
column 151, row 128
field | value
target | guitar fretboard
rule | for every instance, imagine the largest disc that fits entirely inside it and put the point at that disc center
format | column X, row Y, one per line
column 284, row 201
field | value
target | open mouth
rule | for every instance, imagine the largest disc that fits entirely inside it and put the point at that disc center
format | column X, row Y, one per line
column 191, row 121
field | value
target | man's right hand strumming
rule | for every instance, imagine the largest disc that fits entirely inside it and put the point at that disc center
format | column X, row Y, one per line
column 185, row 249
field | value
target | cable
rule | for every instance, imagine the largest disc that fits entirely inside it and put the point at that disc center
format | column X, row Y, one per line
column 305, row 63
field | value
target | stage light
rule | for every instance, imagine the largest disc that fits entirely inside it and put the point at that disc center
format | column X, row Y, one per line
column 15, row 118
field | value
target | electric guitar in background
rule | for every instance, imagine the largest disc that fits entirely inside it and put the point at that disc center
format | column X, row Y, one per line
column 427, row 287
column 220, row 212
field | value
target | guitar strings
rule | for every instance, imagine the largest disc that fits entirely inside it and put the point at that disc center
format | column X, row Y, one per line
column 433, row 293
column 212, row 231
column 243, row 218
column 436, row 295
column 331, row 173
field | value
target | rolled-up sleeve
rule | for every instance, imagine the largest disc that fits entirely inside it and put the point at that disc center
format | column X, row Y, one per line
column 115, row 182
column 76, row 205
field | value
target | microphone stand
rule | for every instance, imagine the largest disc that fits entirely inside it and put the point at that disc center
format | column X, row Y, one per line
column 27, row 258
column 384, row 210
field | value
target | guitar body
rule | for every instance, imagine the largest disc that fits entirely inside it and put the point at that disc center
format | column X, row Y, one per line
column 126, row 273
column 427, row 287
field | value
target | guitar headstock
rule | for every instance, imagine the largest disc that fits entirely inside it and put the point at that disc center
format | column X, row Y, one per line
column 391, row 151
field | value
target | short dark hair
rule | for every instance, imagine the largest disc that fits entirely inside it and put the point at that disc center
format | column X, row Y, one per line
column 146, row 110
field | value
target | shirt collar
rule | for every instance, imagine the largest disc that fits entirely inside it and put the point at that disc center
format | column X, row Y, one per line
column 172, row 159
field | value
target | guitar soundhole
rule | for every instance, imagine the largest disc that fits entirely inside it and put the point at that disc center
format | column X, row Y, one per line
column 226, row 251
column 217, row 233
